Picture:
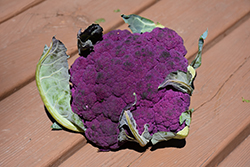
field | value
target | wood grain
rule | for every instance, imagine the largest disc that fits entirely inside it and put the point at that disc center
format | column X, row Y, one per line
column 26, row 135
column 9, row 9
column 240, row 156
column 88, row 156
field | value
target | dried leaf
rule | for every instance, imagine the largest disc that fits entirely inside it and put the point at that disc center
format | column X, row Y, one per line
column 126, row 119
column 117, row 10
column 52, row 79
column 87, row 39
column 180, row 80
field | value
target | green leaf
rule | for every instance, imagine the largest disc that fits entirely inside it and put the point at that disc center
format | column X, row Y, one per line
column 117, row 10
column 180, row 80
column 139, row 24
column 245, row 100
column 183, row 117
column 186, row 116
column 56, row 126
column 100, row 20
column 52, row 79
column 197, row 61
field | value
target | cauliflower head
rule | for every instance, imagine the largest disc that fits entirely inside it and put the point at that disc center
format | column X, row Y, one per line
column 122, row 64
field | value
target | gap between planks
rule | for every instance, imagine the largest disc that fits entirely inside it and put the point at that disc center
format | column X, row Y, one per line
column 76, row 147
column 32, row 4
column 229, row 145
column 239, row 156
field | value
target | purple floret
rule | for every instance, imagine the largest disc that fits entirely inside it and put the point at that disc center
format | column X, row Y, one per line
column 123, row 64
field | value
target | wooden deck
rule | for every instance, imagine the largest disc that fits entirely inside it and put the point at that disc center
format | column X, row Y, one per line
column 220, row 128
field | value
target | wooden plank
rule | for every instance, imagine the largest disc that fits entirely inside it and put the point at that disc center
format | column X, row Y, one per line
column 224, row 113
column 229, row 144
column 16, row 102
column 240, row 156
column 9, row 9
column 26, row 137
column 24, row 36
column 88, row 156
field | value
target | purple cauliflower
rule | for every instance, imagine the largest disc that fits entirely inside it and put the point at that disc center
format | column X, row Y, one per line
column 124, row 87
column 123, row 69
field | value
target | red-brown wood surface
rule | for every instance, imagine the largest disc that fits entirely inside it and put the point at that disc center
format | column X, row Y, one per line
column 240, row 156
column 220, row 126
column 9, row 9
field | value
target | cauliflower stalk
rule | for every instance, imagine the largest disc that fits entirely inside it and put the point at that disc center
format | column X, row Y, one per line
column 124, row 86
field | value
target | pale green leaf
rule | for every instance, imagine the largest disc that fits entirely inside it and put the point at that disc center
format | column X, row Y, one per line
column 162, row 136
column 56, row 126
column 52, row 79
column 139, row 24
column 186, row 116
